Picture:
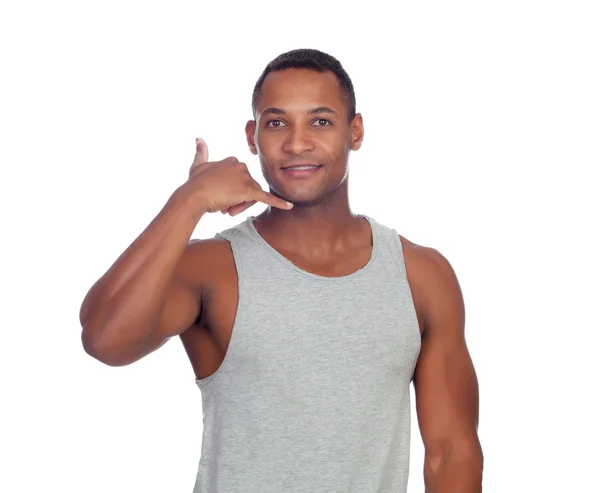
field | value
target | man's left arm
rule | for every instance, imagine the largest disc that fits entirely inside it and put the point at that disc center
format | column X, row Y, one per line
column 446, row 388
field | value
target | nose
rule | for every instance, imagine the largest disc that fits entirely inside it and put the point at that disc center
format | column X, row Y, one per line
column 298, row 141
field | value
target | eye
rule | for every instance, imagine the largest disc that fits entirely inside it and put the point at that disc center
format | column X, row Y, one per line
column 276, row 123
column 323, row 122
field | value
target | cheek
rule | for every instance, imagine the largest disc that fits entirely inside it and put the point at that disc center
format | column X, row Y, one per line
column 336, row 152
column 269, row 146
column 336, row 144
column 265, row 137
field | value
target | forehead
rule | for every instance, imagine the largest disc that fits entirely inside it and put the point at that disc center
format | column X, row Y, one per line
column 301, row 88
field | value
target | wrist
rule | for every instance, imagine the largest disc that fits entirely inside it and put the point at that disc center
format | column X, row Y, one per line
column 190, row 204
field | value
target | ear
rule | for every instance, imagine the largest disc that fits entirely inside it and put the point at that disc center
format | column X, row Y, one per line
column 358, row 132
column 250, row 129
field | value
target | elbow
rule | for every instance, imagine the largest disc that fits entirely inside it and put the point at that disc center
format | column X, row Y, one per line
column 92, row 347
column 88, row 343
column 93, row 351
column 107, row 358
column 466, row 459
column 116, row 351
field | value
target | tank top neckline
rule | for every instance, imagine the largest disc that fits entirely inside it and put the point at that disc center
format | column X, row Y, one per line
column 290, row 265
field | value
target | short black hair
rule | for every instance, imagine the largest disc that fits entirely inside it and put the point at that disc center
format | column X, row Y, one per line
column 313, row 60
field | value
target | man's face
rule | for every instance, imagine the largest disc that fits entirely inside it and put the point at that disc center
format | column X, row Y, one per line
column 302, row 118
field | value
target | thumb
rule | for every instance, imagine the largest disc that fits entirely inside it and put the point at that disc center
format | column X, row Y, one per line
column 201, row 151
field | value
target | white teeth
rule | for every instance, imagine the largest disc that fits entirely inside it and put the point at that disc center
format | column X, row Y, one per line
column 303, row 167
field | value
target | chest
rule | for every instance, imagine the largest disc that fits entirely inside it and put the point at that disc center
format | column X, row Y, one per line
column 357, row 324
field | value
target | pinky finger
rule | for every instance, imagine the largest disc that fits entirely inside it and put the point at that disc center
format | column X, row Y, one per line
column 237, row 209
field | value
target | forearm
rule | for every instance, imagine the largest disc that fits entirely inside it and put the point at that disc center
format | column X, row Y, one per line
column 454, row 473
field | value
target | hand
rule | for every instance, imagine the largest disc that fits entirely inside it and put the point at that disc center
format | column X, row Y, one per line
column 226, row 185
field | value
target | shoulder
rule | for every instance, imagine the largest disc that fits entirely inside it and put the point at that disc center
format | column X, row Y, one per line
column 432, row 279
column 427, row 261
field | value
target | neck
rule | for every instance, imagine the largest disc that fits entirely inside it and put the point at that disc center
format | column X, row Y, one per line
column 313, row 231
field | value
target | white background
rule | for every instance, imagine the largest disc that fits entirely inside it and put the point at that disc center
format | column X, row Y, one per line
column 482, row 140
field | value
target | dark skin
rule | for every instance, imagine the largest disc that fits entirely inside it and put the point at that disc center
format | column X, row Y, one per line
column 302, row 117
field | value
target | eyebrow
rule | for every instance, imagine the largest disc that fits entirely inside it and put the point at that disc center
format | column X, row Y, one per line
column 320, row 109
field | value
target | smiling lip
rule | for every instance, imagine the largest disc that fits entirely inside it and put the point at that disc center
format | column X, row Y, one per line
column 297, row 165
column 301, row 173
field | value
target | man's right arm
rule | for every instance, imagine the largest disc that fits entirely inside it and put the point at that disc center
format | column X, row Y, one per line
column 142, row 300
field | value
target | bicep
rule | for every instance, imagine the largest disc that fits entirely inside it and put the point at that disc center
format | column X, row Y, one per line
column 183, row 299
column 446, row 387
column 446, row 392
column 180, row 310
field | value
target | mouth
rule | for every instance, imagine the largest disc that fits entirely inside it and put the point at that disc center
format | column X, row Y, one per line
column 301, row 166
column 302, row 170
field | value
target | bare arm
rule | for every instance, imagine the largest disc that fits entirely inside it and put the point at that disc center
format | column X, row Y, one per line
column 122, row 314
column 446, row 388
column 144, row 298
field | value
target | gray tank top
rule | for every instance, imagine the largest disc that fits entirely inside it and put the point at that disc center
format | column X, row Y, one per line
column 313, row 395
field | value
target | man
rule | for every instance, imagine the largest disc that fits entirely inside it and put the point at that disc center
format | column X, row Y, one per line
column 305, row 324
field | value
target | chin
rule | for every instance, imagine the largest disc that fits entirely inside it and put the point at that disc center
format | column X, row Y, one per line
column 305, row 200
